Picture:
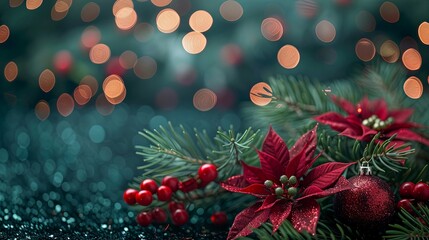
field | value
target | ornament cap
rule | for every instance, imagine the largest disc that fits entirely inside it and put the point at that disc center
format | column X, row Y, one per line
column 364, row 168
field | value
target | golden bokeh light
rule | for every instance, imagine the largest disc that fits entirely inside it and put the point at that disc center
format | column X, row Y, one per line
column 57, row 16
column 33, row 4
column 194, row 42
column 204, row 99
column 62, row 5
column 90, row 37
column 200, row 21
column 42, row 110
column 4, row 33
column 231, row 10
column 15, row 3
column 114, row 89
column 103, row 106
column 145, row 67
column 423, row 32
column 82, row 94
column 167, row 20
column 143, row 32
column 413, row 87
column 389, row 51
column 257, row 90
column 272, row 29
column 161, row 3
column 325, row 31
column 119, row 4
column 90, row 81
column 365, row 21
column 389, row 12
column 365, row 49
column 126, row 18
column 46, row 80
column 412, row 59
column 99, row 54
column 128, row 59
column 65, row 104
column 90, row 12
column 11, row 71
column 288, row 56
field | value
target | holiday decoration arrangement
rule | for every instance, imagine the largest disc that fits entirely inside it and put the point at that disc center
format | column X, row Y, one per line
column 332, row 165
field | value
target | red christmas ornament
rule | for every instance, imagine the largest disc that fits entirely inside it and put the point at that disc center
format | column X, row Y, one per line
column 164, row 193
column 180, row 217
column 405, row 204
column 173, row 206
column 144, row 219
column 171, row 182
column 219, row 218
column 159, row 215
column 421, row 192
column 369, row 206
column 406, row 190
column 150, row 185
column 207, row 172
column 144, row 198
column 130, row 196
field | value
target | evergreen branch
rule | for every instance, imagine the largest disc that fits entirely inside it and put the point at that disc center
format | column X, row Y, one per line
column 411, row 226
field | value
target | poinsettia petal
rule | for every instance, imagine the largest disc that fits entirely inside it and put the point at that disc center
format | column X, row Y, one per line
column 252, row 174
column 380, row 108
column 257, row 190
column 270, row 166
column 305, row 215
column 325, row 175
column 365, row 107
column 302, row 153
column 247, row 220
column 335, row 120
column 279, row 213
column 314, row 192
column 347, row 106
column 237, row 181
column 269, row 202
column 408, row 135
column 276, row 147
column 401, row 115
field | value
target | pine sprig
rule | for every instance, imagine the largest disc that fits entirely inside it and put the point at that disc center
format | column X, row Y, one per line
column 411, row 226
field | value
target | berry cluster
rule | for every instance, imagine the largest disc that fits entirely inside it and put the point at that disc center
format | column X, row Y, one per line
column 164, row 193
column 412, row 193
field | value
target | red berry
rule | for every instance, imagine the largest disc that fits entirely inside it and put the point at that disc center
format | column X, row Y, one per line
column 173, row 206
column 130, row 196
column 180, row 217
column 144, row 219
column 171, row 182
column 188, row 185
column 406, row 190
column 421, row 192
column 144, row 198
column 219, row 218
column 207, row 172
column 159, row 215
column 405, row 204
column 164, row 193
column 150, row 185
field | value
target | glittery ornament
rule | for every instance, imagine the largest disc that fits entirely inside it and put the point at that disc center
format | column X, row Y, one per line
column 369, row 206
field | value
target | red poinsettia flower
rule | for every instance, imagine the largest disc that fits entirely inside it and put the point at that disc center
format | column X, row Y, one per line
column 287, row 190
column 368, row 118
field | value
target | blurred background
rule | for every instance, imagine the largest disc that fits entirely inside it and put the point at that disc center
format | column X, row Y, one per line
column 79, row 79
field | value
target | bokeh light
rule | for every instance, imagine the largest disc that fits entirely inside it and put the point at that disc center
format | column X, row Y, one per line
column 114, row 89
column 232, row 54
column 90, row 81
column 59, row 15
column 65, row 104
column 411, row 59
column 90, row 12
column 231, row 10
column 46, row 80
column 365, row 49
column 82, row 94
column 145, row 67
column 11, row 71
column 204, row 99
column 99, row 54
column 307, row 8
column 423, row 32
column 15, row 3
column 272, row 29
column 143, row 32
column 257, row 90
column 413, row 87
column 288, row 56
column 200, row 21
column 161, row 3
column 167, row 20
column 389, row 12
column 4, row 33
column 126, row 18
column 389, row 51
column 33, row 4
column 62, row 5
column 194, row 42
column 365, row 21
column 127, row 59
column 103, row 106
column 325, row 31
column 63, row 61
column 90, row 37
column 119, row 4
column 42, row 110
